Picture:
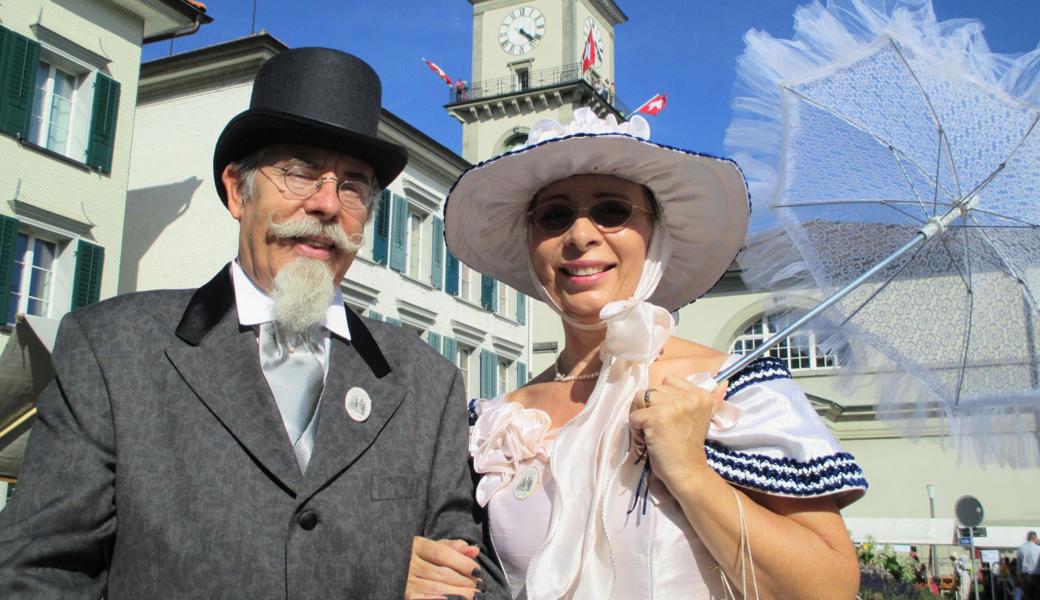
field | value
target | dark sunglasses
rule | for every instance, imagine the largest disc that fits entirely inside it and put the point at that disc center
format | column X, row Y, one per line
column 609, row 215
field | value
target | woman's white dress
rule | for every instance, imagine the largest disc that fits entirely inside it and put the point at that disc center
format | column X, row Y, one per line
column 777, row 445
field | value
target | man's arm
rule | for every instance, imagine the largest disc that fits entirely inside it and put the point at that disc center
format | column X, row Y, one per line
column 56, row 534
column 452, row 511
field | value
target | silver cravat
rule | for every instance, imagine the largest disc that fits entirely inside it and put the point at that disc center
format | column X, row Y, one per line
column 296, row 377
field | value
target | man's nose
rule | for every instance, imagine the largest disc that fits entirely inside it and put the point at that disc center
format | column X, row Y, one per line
column 325, row 201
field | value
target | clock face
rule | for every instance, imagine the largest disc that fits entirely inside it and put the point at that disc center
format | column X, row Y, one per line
column 521, row 30
column 597, row 36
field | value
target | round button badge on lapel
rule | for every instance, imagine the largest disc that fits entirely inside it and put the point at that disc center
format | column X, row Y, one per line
column 359, row 405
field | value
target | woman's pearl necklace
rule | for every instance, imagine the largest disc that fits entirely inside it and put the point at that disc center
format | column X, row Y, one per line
column 559, row 377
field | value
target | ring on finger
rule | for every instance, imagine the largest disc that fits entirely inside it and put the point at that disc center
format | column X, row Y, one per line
column 646, row 396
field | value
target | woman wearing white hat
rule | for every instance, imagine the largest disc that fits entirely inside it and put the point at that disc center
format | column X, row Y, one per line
column 612, row 474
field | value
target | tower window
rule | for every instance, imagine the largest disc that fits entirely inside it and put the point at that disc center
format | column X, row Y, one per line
column 523, row 78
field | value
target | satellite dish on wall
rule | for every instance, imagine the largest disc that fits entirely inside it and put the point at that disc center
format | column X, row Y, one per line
column 969, row 511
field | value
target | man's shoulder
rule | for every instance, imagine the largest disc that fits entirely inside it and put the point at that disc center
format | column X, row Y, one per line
column 134, row 310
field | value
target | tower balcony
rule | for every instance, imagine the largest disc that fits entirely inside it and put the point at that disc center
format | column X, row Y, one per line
column 527, row 92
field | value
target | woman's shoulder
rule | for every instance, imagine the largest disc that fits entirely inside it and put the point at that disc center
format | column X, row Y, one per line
column 683, row 358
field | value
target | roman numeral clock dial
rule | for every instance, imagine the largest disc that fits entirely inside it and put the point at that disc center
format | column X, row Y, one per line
column 521, row 30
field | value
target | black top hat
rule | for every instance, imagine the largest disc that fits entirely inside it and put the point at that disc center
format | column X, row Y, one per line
column 312, row 97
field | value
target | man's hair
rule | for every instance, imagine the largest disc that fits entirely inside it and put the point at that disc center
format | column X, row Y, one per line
column 245, row 169
column 1031, row 535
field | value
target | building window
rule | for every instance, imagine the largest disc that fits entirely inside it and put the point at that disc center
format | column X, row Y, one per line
column 465, row 283
column 503, row 377
column 462, row 361
column 31, row 275
column 799, row 350
column 51, row 121
column 503, row 300
column 514, row 141
column 415, row 245
column 523, row 78
column 57, row 102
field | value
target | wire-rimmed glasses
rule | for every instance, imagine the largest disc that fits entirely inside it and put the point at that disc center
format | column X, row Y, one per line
column 354, row 195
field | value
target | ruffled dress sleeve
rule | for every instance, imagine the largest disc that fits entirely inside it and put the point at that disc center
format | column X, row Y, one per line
column 778, row 444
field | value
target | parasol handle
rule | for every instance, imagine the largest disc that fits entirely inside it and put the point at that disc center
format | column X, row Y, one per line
column 934, row 226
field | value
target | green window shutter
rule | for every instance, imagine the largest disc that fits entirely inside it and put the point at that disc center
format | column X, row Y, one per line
column 451, row 274
column 393, row 321
column 488, row 293
column 487, row 374
column 19, row 59
column 86, row 287
column 449, row 348
column 381, row 226
column 437, row 253
column 521, row 308
column 434, row 339
column 103, row 123
column 521, row 374
column 399, row 234
column 8, row 239
column 375, row 316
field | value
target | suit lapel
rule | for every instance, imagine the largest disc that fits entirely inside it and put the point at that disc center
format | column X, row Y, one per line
column 340, row 440
column 221, row 364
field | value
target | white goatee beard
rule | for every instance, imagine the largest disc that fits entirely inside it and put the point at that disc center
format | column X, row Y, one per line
column 301, row 293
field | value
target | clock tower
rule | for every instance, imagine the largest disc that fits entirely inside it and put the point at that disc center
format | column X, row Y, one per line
column 527, row 66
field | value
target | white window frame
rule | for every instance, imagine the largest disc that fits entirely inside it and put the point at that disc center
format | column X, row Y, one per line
column 503, row 299
column 465, row 282
column 82, row 101
column 796, row 350
column 29, row 270
column 63, row 269
column 416, row 241
column 502, row 375
column 464, row 361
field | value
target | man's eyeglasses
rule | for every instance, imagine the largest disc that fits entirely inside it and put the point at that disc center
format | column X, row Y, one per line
column 609, row 215
column 303, row 183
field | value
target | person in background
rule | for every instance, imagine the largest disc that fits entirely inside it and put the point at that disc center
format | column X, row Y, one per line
column 1028, row 558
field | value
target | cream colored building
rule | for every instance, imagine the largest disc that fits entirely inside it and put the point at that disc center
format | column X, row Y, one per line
column 68, row 83
column 181, row 234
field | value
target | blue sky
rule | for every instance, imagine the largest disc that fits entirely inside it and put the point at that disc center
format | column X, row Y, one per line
column 686, row 48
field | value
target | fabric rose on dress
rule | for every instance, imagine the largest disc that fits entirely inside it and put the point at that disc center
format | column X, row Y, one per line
column 503, row 438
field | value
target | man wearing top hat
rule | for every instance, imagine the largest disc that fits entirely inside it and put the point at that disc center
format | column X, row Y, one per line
column 253, row 438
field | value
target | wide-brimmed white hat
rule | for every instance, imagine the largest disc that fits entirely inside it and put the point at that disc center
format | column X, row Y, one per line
column 703, row 201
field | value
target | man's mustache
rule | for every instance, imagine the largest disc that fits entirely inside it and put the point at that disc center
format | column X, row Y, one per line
column 307, row 226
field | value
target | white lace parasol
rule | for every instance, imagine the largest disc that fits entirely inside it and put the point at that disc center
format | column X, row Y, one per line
column 875, row 126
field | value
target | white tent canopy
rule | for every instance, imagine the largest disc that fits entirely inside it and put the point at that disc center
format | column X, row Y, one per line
column 916, row 531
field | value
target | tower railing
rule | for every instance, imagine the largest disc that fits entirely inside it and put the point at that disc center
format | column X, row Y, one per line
column 525, row 81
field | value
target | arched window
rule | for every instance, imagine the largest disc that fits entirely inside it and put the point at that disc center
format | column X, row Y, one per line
column 514, row 141
column 799, row 351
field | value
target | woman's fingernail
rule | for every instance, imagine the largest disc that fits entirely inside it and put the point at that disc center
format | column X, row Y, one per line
column 481, row 585
column 477, row 572
column 454, row 597
column 478, row 595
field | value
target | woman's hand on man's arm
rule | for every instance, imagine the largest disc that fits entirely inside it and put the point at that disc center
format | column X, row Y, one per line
column 443, row 570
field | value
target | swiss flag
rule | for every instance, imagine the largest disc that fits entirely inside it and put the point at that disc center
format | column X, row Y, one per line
column 588, row 56
column 654, row 105
column 440, row 72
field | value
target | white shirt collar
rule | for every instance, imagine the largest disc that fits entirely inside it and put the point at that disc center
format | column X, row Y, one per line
column 256, row 307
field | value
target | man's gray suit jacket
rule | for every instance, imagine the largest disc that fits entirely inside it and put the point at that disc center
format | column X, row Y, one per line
column 159, row 466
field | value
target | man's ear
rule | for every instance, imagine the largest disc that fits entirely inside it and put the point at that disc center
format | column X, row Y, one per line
column 234, row 196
